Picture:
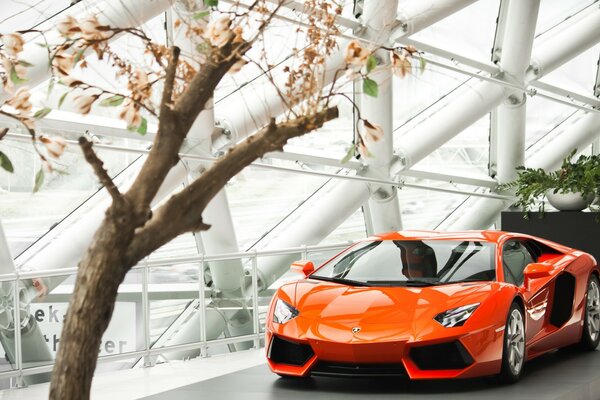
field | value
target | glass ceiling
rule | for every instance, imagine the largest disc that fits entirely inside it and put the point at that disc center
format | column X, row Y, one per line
column 260, row 199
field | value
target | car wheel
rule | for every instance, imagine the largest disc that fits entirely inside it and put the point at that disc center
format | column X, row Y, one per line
column 590, row 337
column 513, row 351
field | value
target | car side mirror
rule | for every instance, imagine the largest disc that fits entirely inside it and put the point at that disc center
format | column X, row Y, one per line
column 305, row 267
column 537, row 270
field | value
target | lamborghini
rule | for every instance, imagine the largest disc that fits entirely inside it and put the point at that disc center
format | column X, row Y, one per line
column 433, row 305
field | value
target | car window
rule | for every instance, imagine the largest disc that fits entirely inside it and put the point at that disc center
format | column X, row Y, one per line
column 515, row 257
column 394, row 262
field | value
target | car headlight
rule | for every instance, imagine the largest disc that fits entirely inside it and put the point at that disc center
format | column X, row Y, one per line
column 456, row 316
column 284, row 312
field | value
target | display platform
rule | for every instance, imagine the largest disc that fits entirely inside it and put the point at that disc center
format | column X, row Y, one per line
column 562, row 375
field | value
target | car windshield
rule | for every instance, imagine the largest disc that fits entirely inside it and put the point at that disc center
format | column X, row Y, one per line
column 411, row 263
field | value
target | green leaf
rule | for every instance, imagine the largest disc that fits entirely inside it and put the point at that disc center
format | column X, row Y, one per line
column 112, row 101
column 25, row 63
column 349, row 154
column 370, row 87
column 15, row 78
column 42, row 113
column 422, row 64
column 211, row 3
column 201, row 14
column 50, row 87
column 143, row 129
column 62, row 99
column 39, row 180
column 5, row 163
column 78, row 56
column 371, row 63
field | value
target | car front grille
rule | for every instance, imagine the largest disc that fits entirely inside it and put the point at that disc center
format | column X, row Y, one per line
column 342, row 369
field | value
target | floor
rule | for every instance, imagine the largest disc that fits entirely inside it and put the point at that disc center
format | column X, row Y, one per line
column 563, row 375
column 142, row 382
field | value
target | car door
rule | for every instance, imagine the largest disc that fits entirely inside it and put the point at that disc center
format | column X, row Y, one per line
column 515, row 257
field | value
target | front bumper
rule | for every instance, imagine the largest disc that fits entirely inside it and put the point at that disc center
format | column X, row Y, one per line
column 464, row 355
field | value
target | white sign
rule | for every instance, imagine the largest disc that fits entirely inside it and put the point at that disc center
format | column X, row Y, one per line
column 120, row 336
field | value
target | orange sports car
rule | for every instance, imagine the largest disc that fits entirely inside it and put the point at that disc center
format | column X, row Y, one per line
column 433, row 305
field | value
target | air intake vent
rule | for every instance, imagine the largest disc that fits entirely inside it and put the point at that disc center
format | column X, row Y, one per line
column 451, row 355
column 283, row 351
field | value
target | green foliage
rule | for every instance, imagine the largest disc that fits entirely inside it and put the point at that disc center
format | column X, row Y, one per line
column 211, row 3
column 112, row 101
column 14, row 77
column 143, row 128
column 39, row 180
column 371, row 63
column 349, row 154
column 5, row 163
column 581, row 175
column 42, row 113
column 370, row 87
column 201, row 14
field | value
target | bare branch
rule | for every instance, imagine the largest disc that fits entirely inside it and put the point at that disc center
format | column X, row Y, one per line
column 183, row 212
column 92, row 158
column 167, row 97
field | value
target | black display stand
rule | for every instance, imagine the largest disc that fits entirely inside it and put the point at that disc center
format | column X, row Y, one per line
column 571, row 228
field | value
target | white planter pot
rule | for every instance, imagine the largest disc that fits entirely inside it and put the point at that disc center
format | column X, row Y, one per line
column 572, row 201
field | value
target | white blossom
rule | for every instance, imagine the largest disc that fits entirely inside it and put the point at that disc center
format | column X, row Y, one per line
column 13, row 43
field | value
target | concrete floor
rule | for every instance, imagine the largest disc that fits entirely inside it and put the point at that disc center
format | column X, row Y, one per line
column 563, row 375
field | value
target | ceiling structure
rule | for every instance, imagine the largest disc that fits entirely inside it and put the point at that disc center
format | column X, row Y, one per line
column 507, row 83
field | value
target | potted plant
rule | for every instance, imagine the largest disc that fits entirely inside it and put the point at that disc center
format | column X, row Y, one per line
column 573, row 187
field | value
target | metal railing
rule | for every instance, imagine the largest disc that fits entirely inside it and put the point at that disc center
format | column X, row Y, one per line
column 19, row 370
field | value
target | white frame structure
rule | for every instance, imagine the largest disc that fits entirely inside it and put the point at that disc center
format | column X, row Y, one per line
column 501, row 86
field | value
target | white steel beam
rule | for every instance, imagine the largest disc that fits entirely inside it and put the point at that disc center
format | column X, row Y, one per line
column 416, row 15
column 567, row 43
column 579, row 136
column 517, row 45
column 460, row 110
column 384, row 207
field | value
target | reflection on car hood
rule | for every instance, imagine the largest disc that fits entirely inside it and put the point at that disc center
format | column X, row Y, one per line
column 324, row 300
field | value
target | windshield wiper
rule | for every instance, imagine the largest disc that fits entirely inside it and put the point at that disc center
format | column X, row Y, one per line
column 343, row 281
column 409, row 282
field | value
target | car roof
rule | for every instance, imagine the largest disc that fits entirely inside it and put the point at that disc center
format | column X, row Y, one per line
column 478, row 235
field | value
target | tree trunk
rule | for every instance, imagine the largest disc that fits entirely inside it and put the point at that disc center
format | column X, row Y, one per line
column 100, row 273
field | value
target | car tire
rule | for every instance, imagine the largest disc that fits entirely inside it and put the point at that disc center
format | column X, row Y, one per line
column 513, row 347
column 590, row 336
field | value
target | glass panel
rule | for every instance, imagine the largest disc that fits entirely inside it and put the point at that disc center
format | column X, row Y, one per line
column 426, row 209
column 553, row 12
column 545, row 118
column 27, row 216
column 353, row 228
column 456, row 32
column 175, row 307
column 466, row 153
column 261, row 198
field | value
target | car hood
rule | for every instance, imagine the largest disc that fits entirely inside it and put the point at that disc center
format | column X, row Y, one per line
column 329, row 308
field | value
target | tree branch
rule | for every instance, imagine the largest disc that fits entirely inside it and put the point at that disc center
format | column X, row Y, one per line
column 174, row 125
column 167, row 97
column 183, row 211
column 98, row 166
